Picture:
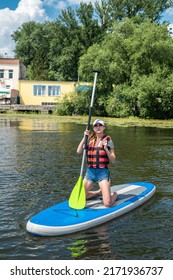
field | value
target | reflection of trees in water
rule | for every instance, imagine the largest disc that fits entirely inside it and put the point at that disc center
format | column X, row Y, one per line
column 95, row 242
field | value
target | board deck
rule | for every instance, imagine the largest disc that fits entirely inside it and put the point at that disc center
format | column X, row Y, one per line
column 61, row 219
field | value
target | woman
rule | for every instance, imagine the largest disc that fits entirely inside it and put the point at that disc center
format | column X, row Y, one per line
column 100, row 151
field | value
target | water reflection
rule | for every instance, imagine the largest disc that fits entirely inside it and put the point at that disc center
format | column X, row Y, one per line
column 78, row 248
column 91, row 244
column 39, row 168
column 33, row 124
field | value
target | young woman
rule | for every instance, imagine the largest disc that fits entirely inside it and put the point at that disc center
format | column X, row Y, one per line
column 100, row 151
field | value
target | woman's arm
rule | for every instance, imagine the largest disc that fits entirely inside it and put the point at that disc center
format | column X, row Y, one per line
column 111, row 154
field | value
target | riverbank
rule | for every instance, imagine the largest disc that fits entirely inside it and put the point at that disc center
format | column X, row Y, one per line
column 125, row 122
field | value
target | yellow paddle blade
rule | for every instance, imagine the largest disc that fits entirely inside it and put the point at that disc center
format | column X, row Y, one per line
column 77, row 198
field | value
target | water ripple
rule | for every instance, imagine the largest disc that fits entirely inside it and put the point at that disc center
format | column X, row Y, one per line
column 39, row 167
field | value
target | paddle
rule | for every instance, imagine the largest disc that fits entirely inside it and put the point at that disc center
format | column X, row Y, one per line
column 77, row 198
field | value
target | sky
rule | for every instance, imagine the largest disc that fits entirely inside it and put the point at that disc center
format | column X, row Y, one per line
column 13, row 13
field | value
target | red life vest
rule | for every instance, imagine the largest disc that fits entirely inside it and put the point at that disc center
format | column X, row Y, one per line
column 96, row 154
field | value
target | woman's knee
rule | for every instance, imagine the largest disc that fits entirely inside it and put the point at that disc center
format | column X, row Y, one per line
column 88, row 185
column 109, row 201
column 108, row 204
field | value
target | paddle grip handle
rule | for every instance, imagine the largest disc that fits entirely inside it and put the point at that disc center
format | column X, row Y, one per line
column 88, row 127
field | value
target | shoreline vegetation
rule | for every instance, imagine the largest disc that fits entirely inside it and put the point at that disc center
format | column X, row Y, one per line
column 124, row 122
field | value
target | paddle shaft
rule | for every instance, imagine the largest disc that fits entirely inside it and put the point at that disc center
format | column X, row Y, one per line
column 89, row 120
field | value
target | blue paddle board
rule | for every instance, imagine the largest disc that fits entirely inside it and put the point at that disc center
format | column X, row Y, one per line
column 61, row 219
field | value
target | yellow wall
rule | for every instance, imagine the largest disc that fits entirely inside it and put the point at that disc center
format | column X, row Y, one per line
column 27, row 97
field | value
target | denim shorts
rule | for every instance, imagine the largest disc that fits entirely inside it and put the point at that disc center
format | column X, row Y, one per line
column 97, row 174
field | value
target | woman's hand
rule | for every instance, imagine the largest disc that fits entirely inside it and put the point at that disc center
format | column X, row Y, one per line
column 110, row 152
column 105, row 144
column 86, row 132
column 80, row 147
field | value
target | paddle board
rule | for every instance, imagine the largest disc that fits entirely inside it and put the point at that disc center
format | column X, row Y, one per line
column 61, row 219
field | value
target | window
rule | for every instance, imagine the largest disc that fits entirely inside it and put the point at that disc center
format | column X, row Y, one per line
column 49, row 103
column 39, row 90
column 1, row 73
column 54, row 90
column 10, row 74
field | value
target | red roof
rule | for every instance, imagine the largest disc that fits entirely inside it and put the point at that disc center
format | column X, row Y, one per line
column 9, row 61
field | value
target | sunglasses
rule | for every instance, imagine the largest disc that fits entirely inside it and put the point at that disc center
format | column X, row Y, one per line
column 97, row 125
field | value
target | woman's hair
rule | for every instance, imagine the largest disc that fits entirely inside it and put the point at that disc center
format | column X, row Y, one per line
column 92, row 137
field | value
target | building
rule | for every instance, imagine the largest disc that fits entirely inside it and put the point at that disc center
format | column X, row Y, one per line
column 11, row 71
column 43, row 92
column 170, row 29
column 15, row 89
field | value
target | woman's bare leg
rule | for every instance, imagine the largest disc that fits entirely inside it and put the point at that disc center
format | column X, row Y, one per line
column 108, row 198
column 88, row 186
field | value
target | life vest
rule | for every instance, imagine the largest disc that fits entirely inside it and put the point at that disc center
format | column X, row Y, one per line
column 96, row 154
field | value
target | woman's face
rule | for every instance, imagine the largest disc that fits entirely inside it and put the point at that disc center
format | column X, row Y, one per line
column 98, row 128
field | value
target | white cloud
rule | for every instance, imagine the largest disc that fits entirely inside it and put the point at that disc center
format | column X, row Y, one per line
column 10, row 20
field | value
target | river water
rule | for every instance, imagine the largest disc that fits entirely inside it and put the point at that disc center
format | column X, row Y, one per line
column 39, row 167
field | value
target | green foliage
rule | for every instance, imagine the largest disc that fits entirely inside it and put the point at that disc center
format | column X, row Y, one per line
column 128, row 51
column 82, row 102
column 66, row 106
column 121, row 9
column 122, row 39
column 56, row 47
column 79, row 103
column 150, row 97
column 51, row 50
column 155, row 98
column 122, row 102
column 135, row 60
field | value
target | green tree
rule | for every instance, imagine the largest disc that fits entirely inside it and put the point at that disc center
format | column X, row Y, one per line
column 150, row 97
column 52, row 50
column 24, row 39
column 127, row 56
column 32, row 48
column 147, row 9
column 102, row 11
column 111, row 56
column 76, row 30
column 128, row 51
column 155, row 96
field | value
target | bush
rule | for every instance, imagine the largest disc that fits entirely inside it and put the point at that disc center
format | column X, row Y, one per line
column 147, row 97
column 66, row 106
column 82, row 102
column 155, row 97
column 122, row 102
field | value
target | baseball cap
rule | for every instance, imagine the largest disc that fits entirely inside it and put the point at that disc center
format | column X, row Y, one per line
column 98, row 121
